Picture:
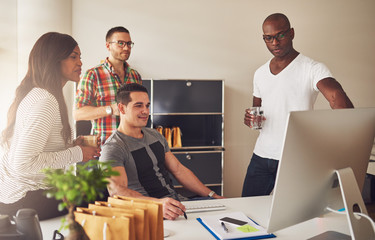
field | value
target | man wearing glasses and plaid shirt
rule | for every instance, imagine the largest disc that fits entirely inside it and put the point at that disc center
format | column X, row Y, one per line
column 96, row 93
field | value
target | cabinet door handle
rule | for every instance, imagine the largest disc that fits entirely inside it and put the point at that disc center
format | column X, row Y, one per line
column 188, row 83
column 188, row 156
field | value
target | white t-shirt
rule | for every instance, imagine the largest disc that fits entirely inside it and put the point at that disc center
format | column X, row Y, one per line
column 293, row 89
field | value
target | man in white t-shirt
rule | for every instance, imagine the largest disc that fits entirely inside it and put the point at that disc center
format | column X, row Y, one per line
column 288, row 82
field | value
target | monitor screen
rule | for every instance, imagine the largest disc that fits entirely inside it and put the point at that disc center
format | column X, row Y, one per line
column 316, row 144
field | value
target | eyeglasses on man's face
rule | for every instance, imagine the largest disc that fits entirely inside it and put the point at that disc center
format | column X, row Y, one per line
column 122, row 44
column 279, row 37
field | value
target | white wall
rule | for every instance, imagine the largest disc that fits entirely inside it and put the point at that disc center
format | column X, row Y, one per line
column 208, row 39
column 22, row 23
column 8, row 56
column 36, row 17
column 220, row 39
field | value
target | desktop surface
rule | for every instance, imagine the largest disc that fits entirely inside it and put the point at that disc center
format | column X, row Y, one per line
column 257, row 208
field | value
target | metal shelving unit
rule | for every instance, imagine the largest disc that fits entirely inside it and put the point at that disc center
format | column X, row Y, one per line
column 197, row 107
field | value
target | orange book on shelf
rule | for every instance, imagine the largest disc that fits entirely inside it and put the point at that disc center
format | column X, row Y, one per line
column 176, row 137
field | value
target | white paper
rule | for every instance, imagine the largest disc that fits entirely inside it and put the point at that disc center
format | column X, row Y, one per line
column 214, row 224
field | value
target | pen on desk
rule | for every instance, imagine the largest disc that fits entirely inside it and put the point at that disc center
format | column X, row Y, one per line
column 225, row 227
column 178, row 199
column 184, row 214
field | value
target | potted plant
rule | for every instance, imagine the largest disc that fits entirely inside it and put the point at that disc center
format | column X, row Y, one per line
column 76, row 186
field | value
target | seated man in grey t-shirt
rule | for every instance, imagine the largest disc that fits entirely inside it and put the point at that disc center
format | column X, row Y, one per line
column 142, row 157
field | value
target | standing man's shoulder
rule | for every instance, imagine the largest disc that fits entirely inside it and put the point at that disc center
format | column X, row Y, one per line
column 87, row 87
column 133, row 75
column 94, row 71
column 132, row 70
column 91, row 76
column 309, row 61
column 317, row 69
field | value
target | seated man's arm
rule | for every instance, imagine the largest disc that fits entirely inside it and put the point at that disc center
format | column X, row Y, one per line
column 186, row 177
column 334, row 93
column 118, row 185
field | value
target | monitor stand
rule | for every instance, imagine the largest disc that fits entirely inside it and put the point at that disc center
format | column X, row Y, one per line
column 360, row 227
column 331, row 235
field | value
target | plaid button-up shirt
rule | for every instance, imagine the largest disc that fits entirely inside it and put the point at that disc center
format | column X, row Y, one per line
column 98, row 87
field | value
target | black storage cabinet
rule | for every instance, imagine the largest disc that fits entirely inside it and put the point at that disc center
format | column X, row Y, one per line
column 197, row 108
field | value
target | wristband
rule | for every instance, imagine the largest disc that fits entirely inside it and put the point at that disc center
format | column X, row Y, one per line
column 108, row 110
column 211, row 194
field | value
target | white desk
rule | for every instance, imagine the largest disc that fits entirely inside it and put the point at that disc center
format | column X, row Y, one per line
column 256, row 208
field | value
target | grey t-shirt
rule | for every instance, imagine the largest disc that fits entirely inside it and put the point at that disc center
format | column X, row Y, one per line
column 144, row 162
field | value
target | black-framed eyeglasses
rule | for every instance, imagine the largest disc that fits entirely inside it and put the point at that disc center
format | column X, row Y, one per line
column 122, row 44
column 279, row 37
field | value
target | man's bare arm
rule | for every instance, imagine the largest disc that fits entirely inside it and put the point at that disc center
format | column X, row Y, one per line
column 92, row 113
column 334, row 93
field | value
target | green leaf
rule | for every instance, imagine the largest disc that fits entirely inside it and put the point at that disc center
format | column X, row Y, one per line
column 71, row 194
column 60, row 195
column 75, row 186
column 60, row 207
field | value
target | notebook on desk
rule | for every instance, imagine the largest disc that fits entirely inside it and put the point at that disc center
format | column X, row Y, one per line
column 233, row 225
column 198, row 206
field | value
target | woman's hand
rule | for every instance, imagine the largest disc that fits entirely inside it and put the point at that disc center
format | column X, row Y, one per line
column 89, row 152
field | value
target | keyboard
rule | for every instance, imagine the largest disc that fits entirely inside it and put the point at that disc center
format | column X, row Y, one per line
column 197, row 206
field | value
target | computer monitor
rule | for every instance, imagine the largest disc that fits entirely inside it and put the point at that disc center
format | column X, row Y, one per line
column 316, row 144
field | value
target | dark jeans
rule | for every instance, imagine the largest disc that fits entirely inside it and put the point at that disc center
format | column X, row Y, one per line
column 46, row 208
column 260, row 177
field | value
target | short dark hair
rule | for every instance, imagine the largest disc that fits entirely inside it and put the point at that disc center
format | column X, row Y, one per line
column 278, row 17
column 114, row 30
column 123, row 93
